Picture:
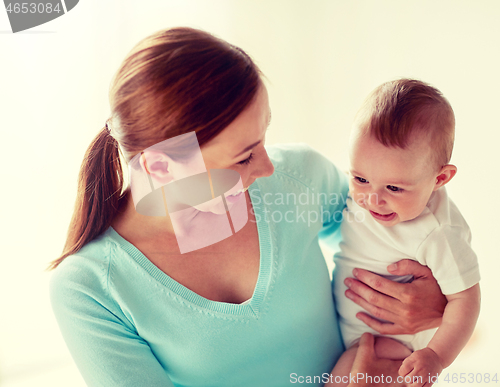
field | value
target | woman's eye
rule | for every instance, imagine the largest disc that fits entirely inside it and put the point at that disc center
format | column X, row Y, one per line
column 361, row 180
column 394, row 188
column 247, row 160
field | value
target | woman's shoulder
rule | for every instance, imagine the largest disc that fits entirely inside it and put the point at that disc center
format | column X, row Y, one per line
column 295, row 156
column 304, row 164
column 84, row 285
column 84, row 272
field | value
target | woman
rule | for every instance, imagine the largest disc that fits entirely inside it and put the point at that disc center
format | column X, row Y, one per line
column 253, row 309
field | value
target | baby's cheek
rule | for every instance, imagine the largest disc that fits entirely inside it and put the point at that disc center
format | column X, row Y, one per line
column 352, row 189
column 358, row 197
column 411, row 210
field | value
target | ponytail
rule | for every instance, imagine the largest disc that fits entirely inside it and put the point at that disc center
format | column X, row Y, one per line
column 100, row 184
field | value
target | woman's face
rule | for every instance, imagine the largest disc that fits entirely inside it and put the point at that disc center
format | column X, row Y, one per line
column 240, row 146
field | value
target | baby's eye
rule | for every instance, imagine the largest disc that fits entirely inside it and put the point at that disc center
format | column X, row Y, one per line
column 247, row 160
column 361, row 180
column 394, row 188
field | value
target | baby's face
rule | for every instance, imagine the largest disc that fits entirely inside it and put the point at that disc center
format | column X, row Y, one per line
column 393, row 184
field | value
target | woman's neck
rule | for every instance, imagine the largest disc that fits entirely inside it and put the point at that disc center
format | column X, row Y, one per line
column 189, row 226
column 129, row 222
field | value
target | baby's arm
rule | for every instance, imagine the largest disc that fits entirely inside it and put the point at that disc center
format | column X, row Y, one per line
column 459, row 320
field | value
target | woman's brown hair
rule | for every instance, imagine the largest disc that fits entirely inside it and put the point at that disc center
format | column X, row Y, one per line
column 173, row 82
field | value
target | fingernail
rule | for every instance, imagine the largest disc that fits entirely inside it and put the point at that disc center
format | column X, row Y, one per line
column 355, row 272
column 348, row 282
column 348, row 294
column 392, row 266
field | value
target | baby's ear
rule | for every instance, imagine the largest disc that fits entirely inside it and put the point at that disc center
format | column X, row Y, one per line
column 445, row 175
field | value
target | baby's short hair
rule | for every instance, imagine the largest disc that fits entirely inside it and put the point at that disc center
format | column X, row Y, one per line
column 397, row 112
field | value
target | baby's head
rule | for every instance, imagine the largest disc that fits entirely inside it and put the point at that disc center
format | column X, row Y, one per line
column 400, row 147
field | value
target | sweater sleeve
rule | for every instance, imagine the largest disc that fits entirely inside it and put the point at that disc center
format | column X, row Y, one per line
column 103, row 343
column 334, row 184
column 328, row 185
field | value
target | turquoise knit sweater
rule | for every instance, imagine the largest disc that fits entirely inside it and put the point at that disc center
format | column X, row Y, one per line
column 127, row 323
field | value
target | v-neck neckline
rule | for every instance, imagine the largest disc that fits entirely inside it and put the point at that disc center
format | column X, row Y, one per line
column 254, row 305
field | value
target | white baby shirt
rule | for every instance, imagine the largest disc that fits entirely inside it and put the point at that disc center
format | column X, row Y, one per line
column 438, row 238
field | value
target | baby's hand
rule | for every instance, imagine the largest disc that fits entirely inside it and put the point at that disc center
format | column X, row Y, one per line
column 419, row 365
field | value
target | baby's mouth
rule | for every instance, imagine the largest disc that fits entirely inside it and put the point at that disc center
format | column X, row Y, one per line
column 384, row 217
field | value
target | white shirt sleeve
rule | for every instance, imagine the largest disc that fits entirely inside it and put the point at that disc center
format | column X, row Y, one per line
column 448, row 253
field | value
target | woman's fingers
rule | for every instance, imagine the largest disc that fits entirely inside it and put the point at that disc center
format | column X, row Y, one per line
column 378, row 283
column 408, row 307
column 384, row 328
column 408, row 266
column 370, row 303
column 367, row 344
column 372, row 289
column 366, row 363
column 366, row 350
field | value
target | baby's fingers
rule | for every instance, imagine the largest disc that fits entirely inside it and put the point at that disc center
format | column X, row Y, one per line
column 407, row 367
column 409, row 371
column 415, row 380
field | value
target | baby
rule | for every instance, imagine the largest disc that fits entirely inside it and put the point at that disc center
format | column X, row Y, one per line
column 398, row 208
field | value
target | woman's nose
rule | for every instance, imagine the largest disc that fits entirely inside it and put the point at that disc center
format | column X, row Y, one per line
column 264, row 167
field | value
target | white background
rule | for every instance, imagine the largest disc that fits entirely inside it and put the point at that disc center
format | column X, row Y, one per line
column 322, row 57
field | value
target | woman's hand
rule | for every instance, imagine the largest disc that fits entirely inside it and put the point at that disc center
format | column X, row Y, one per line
column 410, row 307
column 368, row 370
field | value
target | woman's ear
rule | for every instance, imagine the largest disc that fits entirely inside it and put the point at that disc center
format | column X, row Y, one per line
column 445, row 175
column 157, row 165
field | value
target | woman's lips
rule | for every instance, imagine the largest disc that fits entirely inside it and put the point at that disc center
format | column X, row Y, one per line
column 234, row 197
column 238, row 192
column 386, row 217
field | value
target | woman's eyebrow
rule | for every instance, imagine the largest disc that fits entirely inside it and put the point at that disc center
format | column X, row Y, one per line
column 247, row 148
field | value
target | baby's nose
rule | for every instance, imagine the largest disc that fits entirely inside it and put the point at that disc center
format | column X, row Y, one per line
column 375, row 199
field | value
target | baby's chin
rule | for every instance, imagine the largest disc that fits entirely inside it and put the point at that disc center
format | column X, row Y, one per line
column 388, row 224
